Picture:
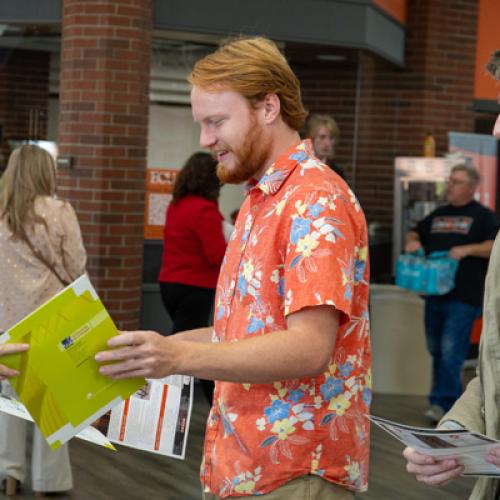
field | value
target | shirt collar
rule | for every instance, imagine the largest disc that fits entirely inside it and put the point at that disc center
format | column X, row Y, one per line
column 278, row 172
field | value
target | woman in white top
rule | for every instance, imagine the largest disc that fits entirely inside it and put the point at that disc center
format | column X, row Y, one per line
column 41, row 251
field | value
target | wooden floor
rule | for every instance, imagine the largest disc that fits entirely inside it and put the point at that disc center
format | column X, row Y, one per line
column 131, row 475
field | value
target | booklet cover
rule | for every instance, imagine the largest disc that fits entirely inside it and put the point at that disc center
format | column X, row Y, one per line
column 59, row 381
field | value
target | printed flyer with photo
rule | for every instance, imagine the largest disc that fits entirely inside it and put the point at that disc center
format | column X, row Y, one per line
column 467, row 447
column 59, row 381
column 156, row 418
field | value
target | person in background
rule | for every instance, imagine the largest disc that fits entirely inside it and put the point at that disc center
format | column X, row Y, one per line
column 193, row 248
column 466, row 229
column 42, row 251
column 290, row 346
column 324, row 134
column 477, row 409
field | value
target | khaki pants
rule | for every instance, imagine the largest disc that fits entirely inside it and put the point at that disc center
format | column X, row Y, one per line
column 301, row 488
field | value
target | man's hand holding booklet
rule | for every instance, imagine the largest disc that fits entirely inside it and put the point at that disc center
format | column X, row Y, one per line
column 466, row 447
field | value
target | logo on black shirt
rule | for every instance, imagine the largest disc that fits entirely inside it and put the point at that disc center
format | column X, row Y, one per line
column 460, row 225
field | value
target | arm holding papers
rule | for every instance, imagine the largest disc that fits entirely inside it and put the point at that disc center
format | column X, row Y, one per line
column 299, row 351
column 465, row 412
column 198, row 335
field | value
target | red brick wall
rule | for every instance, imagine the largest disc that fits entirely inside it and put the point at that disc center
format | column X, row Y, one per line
column 104, row 102
column 434, row 92
column 24, row 93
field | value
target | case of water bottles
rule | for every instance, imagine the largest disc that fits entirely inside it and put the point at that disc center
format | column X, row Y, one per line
column 431, row 275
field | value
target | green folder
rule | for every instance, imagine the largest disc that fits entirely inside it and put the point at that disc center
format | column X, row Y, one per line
column 59, row 381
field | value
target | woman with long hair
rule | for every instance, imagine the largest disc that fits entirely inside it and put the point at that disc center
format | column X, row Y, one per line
column 193, row 247
column 42, row 251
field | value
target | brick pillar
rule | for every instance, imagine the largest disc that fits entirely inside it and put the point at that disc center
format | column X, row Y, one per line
column 24, row 94
column 104, row 103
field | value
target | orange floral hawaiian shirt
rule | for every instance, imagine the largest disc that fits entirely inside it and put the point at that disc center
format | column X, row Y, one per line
column 300, row 241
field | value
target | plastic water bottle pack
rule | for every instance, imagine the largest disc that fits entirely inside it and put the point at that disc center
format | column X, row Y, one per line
column 431, row 275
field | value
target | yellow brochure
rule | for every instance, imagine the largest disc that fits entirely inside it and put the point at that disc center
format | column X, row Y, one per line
column 59, row 381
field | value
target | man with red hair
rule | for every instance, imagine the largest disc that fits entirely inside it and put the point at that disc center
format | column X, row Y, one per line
column 289, row 349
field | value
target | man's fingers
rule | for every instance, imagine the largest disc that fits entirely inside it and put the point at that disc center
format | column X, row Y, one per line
column 429, row 470
column 126, row 338
column 121, row 354
column 13, row 348
column 140, row 373
column 493, row 456
column 432, row 469
column 417, row 458
column 442, row 478
column 127, row 369
column 7, row 372
column 117, row 368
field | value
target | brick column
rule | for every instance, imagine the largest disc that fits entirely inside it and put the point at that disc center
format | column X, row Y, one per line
column 104, row 103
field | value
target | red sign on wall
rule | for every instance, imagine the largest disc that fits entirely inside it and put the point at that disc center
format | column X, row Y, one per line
column 159, row 187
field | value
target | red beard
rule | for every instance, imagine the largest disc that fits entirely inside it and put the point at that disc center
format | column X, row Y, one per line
column 249, row 158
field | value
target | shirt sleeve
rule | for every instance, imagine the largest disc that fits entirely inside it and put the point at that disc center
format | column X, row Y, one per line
column 467, row 409
column 327, row 254
column 208, row 227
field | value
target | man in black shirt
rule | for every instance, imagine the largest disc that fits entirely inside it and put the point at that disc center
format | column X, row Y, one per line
column 466, row 229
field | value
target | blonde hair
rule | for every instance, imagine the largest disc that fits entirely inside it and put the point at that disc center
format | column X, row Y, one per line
column 253, row 67
column 30, row 172
column 316, row 121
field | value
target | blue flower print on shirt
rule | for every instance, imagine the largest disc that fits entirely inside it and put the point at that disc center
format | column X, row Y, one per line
column 296, row 395
column 359, row 270
column 367, row 396
column 277, row 411
column 315, row 210
column 242, row 285
column 331, row 388
column 255, row 325
column 299, row 156
column 345, row 369
column 271, row 181
column 220, row 312
column 281, row 287
column 300, row 228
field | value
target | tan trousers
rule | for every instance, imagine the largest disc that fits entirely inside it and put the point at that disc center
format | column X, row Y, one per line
column 301, row 488
column 50, row 470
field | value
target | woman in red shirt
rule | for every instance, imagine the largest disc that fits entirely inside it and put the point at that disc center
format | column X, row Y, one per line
column 193, row 246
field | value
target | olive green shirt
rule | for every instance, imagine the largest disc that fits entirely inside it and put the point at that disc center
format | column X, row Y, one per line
column 478, row 407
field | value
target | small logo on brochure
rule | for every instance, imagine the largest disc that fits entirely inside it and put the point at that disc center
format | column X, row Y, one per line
column 68, row 341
